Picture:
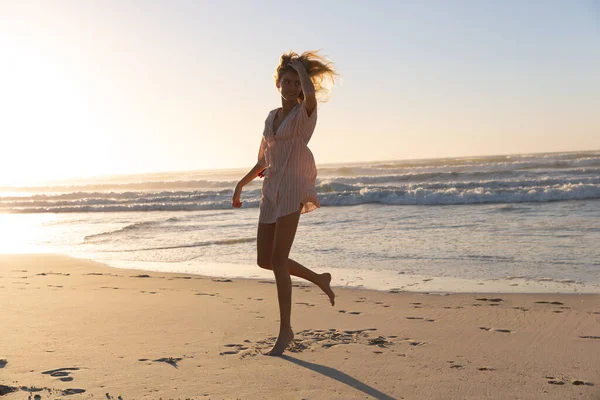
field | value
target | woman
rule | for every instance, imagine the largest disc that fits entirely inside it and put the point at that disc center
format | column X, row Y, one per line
column 290, row 173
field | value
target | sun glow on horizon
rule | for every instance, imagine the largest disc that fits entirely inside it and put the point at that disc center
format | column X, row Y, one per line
column 47, row 117
column 22, row 234
column 92, row 89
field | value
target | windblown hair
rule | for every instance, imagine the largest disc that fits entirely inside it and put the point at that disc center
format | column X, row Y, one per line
column 321, row 72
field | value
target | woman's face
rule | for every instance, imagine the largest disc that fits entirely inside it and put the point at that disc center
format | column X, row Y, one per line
column 289, row 85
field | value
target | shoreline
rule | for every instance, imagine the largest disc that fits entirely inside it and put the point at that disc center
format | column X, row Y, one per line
column 78, row 328
column 381, row 280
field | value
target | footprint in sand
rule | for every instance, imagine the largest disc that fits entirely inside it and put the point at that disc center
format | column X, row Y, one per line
column 169, row 360
column 494, row 300
column 577, row 382
column 222, row 280
column 590, row 337
column 7, row 389
column 553, row 381
column 306, row 304
column 549, row 302
column 236, row 345
column 206, row 294
column 61, row 373
column 140, row 276
column 68, row 392
column 53, row 273
column 562, row 381
column 235, row 349
column 495, row 330
column 354, row 313
column 353, row 331
column 379, row 341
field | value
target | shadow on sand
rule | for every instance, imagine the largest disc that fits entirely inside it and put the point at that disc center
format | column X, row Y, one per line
column 339, row 376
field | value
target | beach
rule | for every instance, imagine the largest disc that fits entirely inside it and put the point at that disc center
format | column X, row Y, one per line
column 73, row 328
column 444, row 159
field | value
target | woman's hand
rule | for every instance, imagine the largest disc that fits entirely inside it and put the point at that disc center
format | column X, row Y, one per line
column 235, row 201
column 297, row 65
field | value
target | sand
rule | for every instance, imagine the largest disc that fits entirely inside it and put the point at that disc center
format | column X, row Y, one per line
column 72, row 328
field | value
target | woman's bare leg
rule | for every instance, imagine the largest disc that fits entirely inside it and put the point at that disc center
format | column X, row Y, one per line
column 264, row 245
column 285, row 231
column 323, row 281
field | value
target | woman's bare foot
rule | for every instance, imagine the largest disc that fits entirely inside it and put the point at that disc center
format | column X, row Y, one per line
column 285, row 337
column 324, row 284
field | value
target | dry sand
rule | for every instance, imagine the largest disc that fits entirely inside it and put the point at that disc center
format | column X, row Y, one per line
column 74, row 329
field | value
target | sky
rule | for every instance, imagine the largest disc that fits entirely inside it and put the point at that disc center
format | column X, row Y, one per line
column 119, row 86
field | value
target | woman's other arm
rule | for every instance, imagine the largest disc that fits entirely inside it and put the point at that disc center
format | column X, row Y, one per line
column 250, row 176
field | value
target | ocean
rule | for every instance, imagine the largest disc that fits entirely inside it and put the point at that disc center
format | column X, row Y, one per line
column 509, row 223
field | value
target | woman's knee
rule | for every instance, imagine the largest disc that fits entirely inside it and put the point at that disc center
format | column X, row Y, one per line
column 264, row 264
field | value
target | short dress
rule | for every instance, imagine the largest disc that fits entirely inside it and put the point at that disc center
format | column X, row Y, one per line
column 291, row 172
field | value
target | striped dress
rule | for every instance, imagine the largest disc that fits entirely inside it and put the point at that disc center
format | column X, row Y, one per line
column 289, row 179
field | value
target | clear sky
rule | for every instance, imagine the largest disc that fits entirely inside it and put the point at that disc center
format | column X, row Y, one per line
column 108, row 87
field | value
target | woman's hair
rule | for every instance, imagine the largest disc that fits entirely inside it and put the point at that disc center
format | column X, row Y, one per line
column 321, row 72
